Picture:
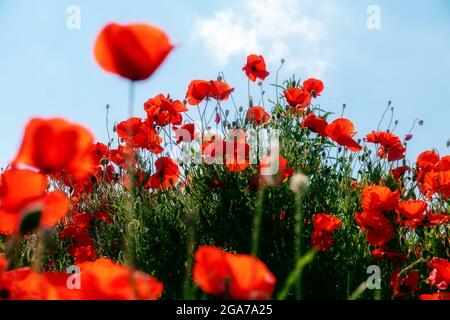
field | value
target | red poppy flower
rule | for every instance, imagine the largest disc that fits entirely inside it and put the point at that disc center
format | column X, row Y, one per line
column 443, row 164
column 255, row 68
column 390, row 145
column 236, row 155
column 82, row 253
column 139, row 133
column 82, row 248
column 198, row 90
column 257, row 116
column 56, row 145
column 20, row 284
column 379, row 229
column 274, row 171
column 440, row 275
column 411, row 213
column 167, row 174
column 131, row 51
column 342, row 131
column 427, row 160
column 122, row 154
column 185, row 133
column 379, row 198
column 399, row 171
column 404, row 285
column 315, row 124
column 236, row 276
column 24, row 194
column 213, row 150
column 412, row 209
column 313, row 86
column 435, row 296
column 436, row 182
column 100, row 152
column 324, row 225
column 392, row 256
column 220, row 90
column 162, row 110
column 297, row 98
column 434, row 219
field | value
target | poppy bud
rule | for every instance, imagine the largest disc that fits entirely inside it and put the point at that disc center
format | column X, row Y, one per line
column 420, row 122
column 282, row 61
column 299, row 183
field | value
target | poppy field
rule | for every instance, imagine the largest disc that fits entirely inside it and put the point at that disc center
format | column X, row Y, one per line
column 205, row 199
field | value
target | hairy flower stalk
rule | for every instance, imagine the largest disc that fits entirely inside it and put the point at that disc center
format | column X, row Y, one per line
column 299, row 185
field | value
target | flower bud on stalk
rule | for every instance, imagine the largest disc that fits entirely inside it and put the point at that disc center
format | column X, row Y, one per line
column 299, row 184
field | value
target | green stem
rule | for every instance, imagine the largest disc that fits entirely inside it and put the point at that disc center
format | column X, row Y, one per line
column 298, row 240
column 358, row 292
column 296, row 274
column 257, row 221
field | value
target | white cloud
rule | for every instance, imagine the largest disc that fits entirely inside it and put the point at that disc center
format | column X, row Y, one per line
column 275, row 28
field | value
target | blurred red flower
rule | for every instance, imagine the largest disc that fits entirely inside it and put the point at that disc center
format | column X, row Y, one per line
column 26, row 204
column 234, row 276
column 255, row 67
column 404, row 285
column 324, row 225
column 100, row 152
column 383, row 252
column 56, row 145
column 131, row 51
column 440, row 275
column 274, row 171
column 342, row 131
column 435, row 296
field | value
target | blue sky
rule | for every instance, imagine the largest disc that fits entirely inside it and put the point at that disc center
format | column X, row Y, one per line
column 48, row 70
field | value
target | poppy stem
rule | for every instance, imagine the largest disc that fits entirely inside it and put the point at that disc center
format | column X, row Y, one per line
column 131, row 93
column 298, row 241
column 296, row 273
column 257, row 221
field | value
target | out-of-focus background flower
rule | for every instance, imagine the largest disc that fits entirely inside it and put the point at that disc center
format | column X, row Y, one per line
column 47, row 69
